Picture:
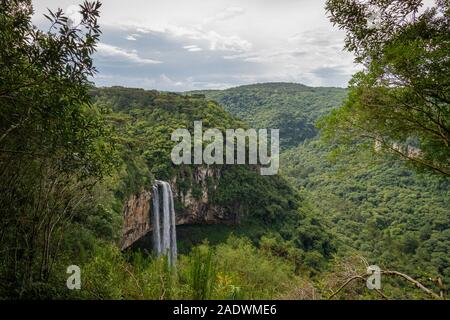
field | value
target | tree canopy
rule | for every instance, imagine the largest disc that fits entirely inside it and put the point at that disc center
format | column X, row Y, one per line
column 401, row 98
column 54, row 144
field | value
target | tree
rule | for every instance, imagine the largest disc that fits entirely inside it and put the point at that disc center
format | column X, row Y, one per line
column 44, row 83
column 401, row 98
column 54, row 144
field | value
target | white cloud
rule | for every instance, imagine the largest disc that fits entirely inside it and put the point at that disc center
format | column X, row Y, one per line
column 227, row 14
column 132, row 37
column 215, row 41
column 169, row 82
column 226, row 43
column 107, row 50
column 192, row 48
column 238, row 56
column 74, row 14
column 195, row 49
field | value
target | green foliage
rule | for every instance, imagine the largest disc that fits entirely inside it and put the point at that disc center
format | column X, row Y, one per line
column 257, row 273
column 144, row 122
column 104, row 275
column 402, row 95
column 388, row 213
column 202, row 276
column 235, row 269
column 292, row 108
column 55, row 146
column 109, row 274
column 370, row 202
column 43, row 90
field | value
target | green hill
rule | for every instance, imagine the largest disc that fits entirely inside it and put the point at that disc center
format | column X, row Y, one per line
column 292, row 108
column 390, row 214
column 375, row 205
column 144, row 121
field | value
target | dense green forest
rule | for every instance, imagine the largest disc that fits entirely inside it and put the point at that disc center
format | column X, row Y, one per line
column 292, row 108
column 72, row 154
column 390, row 214
column 144, row 121
column 375, row 204
column 353, row 188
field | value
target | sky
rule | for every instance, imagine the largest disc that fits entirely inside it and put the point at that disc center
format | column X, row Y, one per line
column 180, row 45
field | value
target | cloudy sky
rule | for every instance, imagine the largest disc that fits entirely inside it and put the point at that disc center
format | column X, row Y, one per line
column 180, row 45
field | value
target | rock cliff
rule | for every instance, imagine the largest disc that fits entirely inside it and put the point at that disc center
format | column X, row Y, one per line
column 192, row 206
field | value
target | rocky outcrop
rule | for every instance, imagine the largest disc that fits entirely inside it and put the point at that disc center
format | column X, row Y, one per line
column 197, row 209
column 191, row 207
column 136, row 218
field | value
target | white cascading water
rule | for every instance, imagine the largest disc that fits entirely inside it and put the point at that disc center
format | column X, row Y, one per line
column 165, row 242
column 173, row 235
column 155, row 221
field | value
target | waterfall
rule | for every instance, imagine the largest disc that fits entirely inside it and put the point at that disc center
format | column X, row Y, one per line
column 165, row 240
column 155, row 221
column 173, row 235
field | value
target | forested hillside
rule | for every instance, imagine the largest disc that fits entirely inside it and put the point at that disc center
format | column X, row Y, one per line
column 391, row 215
column 272, row 230
column 144, row 121
column 292, row 108
column 375, row 204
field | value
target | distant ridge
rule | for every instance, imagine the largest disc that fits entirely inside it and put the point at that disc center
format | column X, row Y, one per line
column 270, row 86
column 285, row 86
column 293, row 108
